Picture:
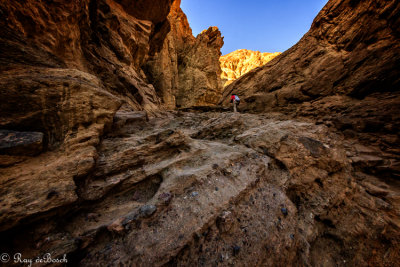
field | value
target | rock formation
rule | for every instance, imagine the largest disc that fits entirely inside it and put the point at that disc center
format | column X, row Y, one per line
column 346, row 58
column 343, row 73
column 66, row 68
column 240, row 62
column 186, row 71
column 92, row 168
column 207, row 189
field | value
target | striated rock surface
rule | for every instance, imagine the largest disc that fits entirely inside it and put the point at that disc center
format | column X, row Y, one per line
column 351, row 51
column 208, row 189
column 343, row 73
column 102, row 38
column 240, row 62
column 186, row 71
column 66, row 69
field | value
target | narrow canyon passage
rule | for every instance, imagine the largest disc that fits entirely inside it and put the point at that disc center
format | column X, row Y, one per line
column 119, row 147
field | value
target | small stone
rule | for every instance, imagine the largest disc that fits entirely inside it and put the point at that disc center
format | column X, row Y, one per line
column 225, row 221
column 147, row 210
column 236, row 250
column 195, row 194
column 92, row 217
column 116, row 226
column 21, row 143
column 227, row 172
column 284, row 211
column 165, row 197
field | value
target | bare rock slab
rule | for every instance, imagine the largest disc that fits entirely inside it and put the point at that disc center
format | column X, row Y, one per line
column 20, row 143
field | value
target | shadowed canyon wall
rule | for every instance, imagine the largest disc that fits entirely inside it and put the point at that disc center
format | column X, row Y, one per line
column 66, row 68
column 56, row 55
column 186, row 71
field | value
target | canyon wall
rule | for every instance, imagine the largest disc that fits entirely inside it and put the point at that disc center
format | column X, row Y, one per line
column 58, row 57
column 343, row 73
column 350, row 54
column 186, row 71
column 105, row 45
column 93, row 170
column 240, row 62
column 66, row 69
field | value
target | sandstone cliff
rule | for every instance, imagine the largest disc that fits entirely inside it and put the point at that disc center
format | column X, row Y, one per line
column 343, row 73
column 186, row 71
column 66, row 68
column 351, row 57
column 240, row 62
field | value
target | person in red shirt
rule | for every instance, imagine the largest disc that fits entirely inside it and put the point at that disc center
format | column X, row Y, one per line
column 235, row 100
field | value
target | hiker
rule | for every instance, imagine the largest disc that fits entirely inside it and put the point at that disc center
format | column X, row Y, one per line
column 236, row 101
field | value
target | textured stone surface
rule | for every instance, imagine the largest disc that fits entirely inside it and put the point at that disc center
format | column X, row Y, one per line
column 101, row 38
column 186, row 71
column 240, row 62
column 66, row 68
column 208, row 188
column 352, row 49
column 343, row 73
column 20, row 143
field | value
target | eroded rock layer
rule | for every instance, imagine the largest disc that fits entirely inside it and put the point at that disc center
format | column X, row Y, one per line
column 343, row 73
column 351, row 51
column 66, row 68
column 240, row 62
column 212, row 189
column 186, row 71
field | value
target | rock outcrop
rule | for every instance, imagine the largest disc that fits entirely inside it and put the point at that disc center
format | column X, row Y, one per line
column 207, row 189
column 240, row 62
column 351, row 51
column 186, row 71
column 343, row 73
column 97, row 37
column 66, row 68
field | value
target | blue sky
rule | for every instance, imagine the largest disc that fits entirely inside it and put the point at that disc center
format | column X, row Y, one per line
column 260, row 25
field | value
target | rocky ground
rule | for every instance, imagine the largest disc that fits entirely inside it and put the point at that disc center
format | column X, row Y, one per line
column 216, row 188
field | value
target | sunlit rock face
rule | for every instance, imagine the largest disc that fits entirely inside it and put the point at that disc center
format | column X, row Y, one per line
column 240, row 62
column 344, row 73
column 351, row 50
column 186, row 71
